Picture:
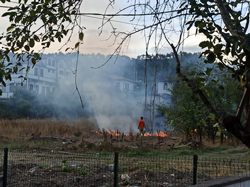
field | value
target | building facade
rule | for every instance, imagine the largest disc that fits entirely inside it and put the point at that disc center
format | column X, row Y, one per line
column 42, row 79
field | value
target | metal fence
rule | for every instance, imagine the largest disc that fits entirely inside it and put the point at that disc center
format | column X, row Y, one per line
column 55, row 168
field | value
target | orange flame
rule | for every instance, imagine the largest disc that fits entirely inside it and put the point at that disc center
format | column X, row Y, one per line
column 161, row 134
column 113, row 133
column 193, row 131
column 96, row 132
column 147, row 134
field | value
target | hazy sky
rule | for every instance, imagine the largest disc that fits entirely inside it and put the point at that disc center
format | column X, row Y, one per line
column 96, row 43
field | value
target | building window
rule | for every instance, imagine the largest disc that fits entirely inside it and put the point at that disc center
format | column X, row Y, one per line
column 60, row 65
column 37, row 88
column 49, row 62
column 41, row 72
column 36, row 72
column 12, row 87
column 53, row 63
column 43, row 90
column 165, row 86
column 47, row 90
column 3, row 88
column 53, row 89
column 61, row 72
column 48, row 70
column 31, row 87
column 126, row 86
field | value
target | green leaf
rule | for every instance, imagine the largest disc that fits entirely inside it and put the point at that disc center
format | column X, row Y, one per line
column 202, row 123
column 81, row 35
column 36, row 38
column 208, row 71
column 220, row 129
column 211, row 116
column 26, row 47
column 10, row 28
column 32, row 42
column 201, row 74
column 216, row 125
column 211, row 57
column 18, row 18
column 33, row 60
column 204, row 44
column 217, row 48
column 76, row 45
column 208, row 93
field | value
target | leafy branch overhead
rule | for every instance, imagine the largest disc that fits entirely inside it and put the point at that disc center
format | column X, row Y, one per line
column 36, row 24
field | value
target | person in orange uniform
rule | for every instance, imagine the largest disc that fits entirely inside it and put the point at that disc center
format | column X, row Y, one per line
column 141, row 126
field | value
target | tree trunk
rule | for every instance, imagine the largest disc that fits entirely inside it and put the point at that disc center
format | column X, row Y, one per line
column 200, row 137
column 234, row 126
column 221, row 138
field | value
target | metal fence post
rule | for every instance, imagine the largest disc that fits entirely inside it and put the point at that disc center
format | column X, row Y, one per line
column 116, row 170
column 195, row 169
column 5, row 165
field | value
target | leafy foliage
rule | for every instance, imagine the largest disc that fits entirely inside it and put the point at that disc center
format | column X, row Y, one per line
column 187, row 112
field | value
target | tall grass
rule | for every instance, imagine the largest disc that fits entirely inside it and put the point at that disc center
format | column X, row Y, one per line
column 19, row 129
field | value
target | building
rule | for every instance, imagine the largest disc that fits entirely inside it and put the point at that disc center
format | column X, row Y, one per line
column 123, row 84
column 164, row 87
column 42, row 79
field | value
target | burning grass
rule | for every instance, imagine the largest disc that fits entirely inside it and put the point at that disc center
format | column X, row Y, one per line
column 117, row 133
column 83, row 135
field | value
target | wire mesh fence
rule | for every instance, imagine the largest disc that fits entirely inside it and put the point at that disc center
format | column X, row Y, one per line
column 55, row 168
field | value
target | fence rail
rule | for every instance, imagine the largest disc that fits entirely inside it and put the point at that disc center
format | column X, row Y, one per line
column 43, row 168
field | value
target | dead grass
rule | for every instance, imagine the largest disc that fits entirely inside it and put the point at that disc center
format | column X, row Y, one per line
column 16, row 130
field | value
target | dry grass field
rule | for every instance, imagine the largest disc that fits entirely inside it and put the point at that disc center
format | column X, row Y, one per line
column 21, row 129
column 81, row 135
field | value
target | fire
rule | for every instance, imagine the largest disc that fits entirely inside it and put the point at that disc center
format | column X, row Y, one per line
column 113, row 133
column 161, row 134
column 97, row 132
column 193, row 131
column 147, row 134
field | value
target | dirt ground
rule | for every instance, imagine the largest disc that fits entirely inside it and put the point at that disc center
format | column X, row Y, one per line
column 31, row 171
column 34, row 175
column 106, row 142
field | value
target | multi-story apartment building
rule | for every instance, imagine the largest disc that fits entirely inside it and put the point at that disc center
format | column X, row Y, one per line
column 42, row 79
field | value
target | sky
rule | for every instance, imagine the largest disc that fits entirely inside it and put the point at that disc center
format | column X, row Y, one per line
column 94, row 42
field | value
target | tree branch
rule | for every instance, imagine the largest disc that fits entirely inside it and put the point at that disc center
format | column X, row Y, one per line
column 242, row 103
column 193, row 86
column 227, row 18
